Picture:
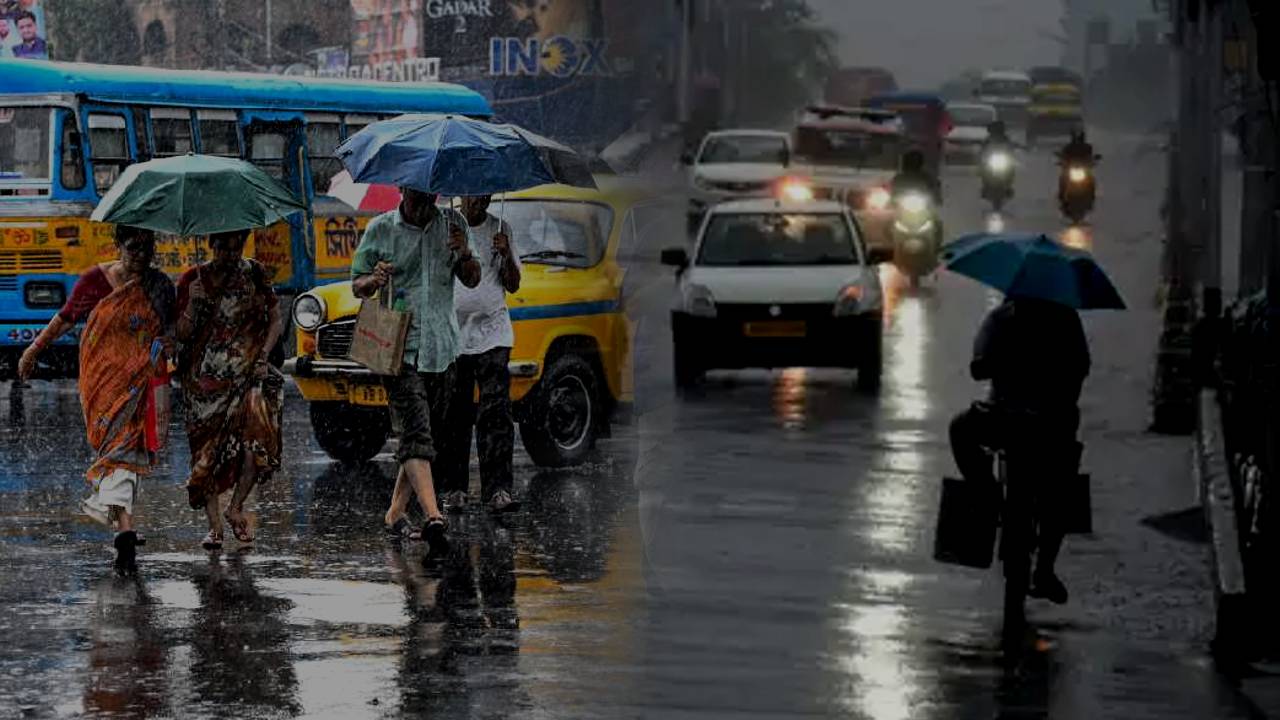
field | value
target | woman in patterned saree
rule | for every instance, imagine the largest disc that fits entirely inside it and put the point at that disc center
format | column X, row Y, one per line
column 228, row 321
column 123, row 357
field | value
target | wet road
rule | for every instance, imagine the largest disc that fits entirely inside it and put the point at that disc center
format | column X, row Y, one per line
column 760, row 548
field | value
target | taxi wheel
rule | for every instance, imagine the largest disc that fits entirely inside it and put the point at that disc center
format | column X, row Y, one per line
column 871, row 366
column 562, row 427
column 348, row 433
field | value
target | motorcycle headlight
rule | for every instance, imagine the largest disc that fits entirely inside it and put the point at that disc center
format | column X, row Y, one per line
column 878, row 199
column 914, row 203
column 308, row 312
column 1078, row 174
column 698, row 301
column 999, row 162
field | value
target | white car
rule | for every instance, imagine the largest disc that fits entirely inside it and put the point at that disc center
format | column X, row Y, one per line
column 733, row 164
column 777, row 283
column 969, row 132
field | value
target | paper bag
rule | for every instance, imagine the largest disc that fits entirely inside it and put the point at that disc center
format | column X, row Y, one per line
column 378, row 342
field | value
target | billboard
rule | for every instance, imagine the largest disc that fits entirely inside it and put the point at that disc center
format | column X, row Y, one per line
column 23, row 32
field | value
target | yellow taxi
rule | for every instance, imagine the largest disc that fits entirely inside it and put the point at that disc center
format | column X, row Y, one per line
column 571, row 364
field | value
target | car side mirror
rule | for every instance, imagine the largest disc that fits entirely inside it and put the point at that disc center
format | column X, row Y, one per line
column 686, row 158
column 879, row 255
column 675, row 257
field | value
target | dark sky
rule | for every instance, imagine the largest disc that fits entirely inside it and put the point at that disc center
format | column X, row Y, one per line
column 926, row 42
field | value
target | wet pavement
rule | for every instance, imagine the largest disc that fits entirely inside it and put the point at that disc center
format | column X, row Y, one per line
column 758, row 548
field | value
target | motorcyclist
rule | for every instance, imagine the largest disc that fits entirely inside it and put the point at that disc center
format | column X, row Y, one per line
column 914, row 176
column 1036, row 356
column 1077, row 150
column 997, row 138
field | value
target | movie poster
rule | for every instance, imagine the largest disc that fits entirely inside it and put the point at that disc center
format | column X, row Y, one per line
column 23, row 33
column 386, row 31
column 495, row 38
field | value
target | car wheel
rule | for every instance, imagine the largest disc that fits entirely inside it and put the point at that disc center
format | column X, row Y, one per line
column 871, row 365
column 348, row 433
column 562, row 425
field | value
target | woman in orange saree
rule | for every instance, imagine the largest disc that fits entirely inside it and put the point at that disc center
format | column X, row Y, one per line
column 123, row 358
column 229, row 319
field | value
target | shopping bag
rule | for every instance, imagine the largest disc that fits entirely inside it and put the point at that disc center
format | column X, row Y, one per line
column 967, row 517
column 380, row 332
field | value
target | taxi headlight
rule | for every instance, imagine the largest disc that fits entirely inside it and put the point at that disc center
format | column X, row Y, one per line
column 878, row 199
column 308, row 312
column 698, row 301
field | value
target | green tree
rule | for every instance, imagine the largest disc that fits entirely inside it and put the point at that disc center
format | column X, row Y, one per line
column 99, row 31
column 784, row 61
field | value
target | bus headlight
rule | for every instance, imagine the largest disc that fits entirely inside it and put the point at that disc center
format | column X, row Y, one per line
column 308, row 312
column 44, row 295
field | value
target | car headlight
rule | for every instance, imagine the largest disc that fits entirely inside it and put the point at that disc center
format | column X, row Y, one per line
column 698, row 301
column 308, row 312
column 1077, row 174
column 914, row 203
column 44, row 295
column 999, row 163
column 857, row 297
column 879, row 199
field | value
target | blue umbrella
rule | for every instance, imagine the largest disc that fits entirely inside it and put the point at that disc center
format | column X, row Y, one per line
column 453, row 155
column 1033, row 266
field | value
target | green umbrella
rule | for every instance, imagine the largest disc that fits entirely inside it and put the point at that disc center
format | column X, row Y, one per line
column 196, row 195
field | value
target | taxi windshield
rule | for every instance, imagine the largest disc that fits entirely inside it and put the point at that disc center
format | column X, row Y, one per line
column 557, row 232
column 25, row 143
column 849, row 148
column 771, row 239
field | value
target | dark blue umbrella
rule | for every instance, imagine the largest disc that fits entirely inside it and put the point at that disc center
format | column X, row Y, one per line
column 453, row 155
column 1033, row 266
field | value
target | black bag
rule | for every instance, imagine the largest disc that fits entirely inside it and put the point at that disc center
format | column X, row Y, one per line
column 967, row 519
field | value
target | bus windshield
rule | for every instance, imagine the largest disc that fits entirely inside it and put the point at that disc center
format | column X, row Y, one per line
column 850, row 148
column 1009, row 88
column 26, row 136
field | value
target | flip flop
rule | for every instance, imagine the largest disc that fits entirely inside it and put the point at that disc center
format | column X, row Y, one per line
column 212, row 541
column 402, row 530
column 239, row 529
column 434, row 533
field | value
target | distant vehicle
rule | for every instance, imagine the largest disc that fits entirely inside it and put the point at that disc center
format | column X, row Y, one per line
column 851, row 155
column 1056, row 106
column 733, row 164
column 925, row 118
column 1010, row 92
column 777, row 283
column 964, row 142
column 851, row 86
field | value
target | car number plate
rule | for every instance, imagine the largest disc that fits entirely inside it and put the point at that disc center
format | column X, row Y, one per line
column 775, row 329
column 375, row 395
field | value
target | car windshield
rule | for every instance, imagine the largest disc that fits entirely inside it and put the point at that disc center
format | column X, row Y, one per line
column 557, row 232
column 1006, row 88
column 768, row 239
column 745, row 149
column 848, row 148
column 25, row 141
column 971, row 116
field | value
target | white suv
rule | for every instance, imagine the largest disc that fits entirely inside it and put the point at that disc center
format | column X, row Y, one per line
column 734, row 164
column 777, row 283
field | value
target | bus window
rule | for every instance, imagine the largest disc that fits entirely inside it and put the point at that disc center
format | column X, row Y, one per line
column 108, row 148
column 72, row 159
column 143, row 143
column 324, row 133
column 25, row 141
column 171, row 129
column 219, row 133
column 266, row 150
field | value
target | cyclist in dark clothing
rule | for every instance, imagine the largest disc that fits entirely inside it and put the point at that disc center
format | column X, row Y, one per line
column 1036, row 356
column 914, row 176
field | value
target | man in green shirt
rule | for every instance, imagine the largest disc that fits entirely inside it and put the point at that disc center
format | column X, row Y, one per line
column 420, row 248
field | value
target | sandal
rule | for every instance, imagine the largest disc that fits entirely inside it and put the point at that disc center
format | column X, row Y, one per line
column 212, row 541
column 239, row 529
column 502, row 502
column 402, row 530
column 434, row 533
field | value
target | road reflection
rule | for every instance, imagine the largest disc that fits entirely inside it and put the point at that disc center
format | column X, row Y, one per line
column 128, row 658
column 882, row 675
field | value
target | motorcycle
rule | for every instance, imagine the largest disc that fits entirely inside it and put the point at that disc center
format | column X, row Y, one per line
column 1077, row 188
column 997, row 177
column 917, row 236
